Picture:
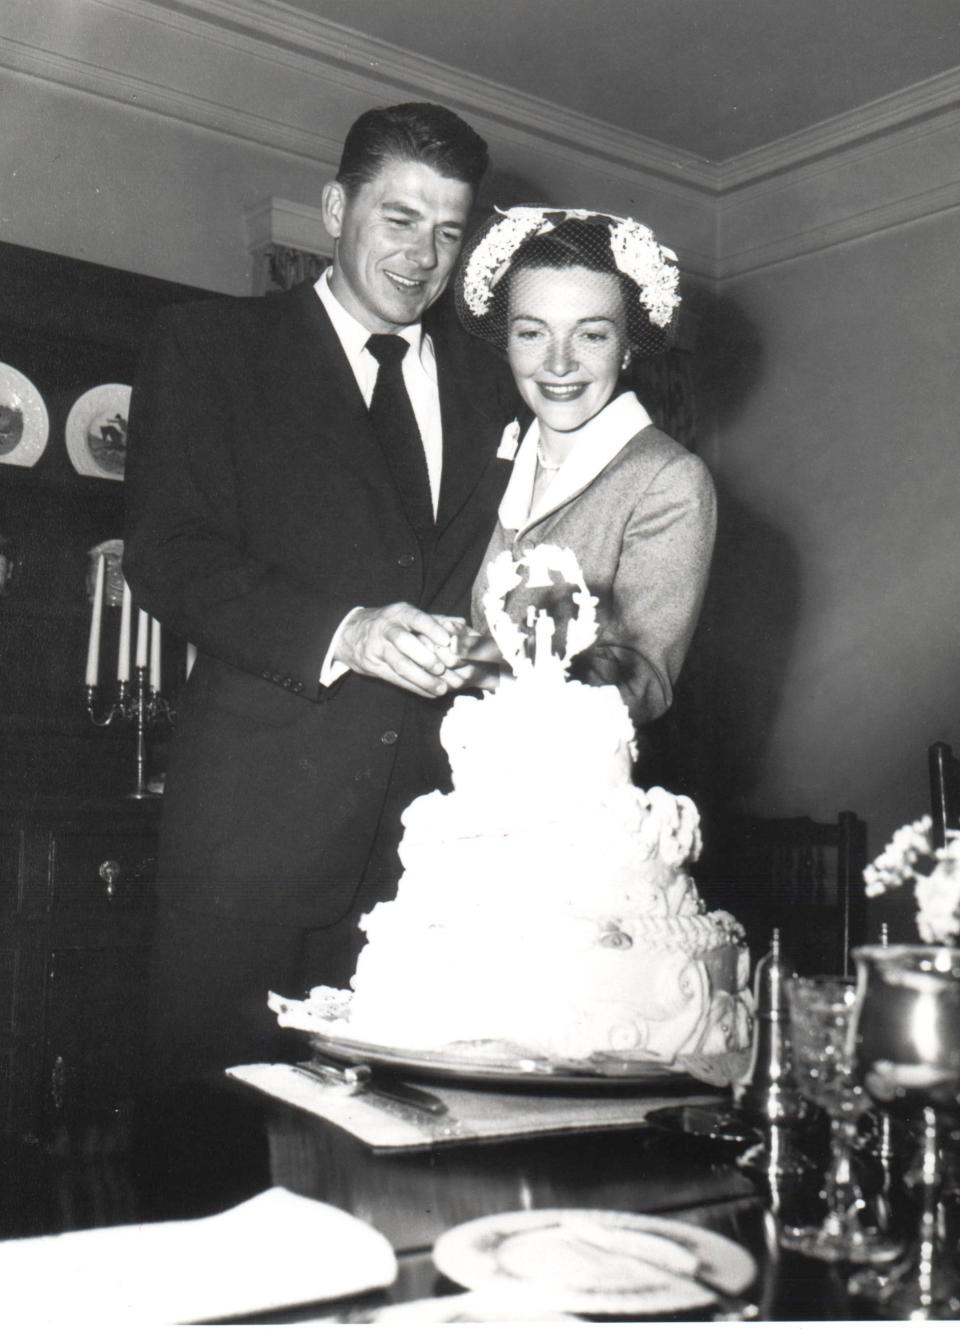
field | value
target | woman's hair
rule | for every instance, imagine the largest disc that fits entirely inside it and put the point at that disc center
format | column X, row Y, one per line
column 415, row 132
column 575, row 242
column 569, row 246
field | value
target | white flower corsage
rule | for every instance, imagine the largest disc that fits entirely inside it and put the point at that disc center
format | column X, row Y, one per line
column 509, row 442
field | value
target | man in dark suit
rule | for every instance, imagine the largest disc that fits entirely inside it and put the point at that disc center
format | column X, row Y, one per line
column 309, row 507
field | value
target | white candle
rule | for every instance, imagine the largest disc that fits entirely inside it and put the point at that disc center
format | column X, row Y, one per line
column 142, row 630
column 155, row 655
column 96, row 614
column 191, row 657
column 123, row 651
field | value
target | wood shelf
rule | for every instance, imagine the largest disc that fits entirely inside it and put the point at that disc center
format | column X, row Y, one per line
column 73, row 952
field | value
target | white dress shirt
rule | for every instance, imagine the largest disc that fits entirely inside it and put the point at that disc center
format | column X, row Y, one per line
column 420, row 380
column 419, row 374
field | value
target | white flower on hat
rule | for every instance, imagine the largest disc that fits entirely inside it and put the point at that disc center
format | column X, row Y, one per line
column 485, row 265
column 638, row 256
column 634, row 248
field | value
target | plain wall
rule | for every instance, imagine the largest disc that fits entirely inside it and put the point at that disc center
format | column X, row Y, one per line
column 131, row 189
column 103, row 180
column 833, row 635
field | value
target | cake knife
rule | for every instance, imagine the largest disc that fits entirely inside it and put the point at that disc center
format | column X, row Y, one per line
column 359, row 1079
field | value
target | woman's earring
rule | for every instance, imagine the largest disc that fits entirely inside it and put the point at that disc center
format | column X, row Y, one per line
column 625, row 362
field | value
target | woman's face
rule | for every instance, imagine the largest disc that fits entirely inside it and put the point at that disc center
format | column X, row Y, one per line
column 566, row 339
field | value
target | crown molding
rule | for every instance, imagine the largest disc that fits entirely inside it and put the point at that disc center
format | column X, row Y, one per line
column 366, row 64
column 141, row 94
column 870, row 221
column 907, row 174
column 300, row 75
column 279, row 221
column 843, row 133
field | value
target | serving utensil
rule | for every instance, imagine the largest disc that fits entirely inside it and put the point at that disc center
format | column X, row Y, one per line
column 360, row 1079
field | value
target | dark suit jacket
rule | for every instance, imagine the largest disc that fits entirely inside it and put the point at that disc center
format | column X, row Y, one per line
column 260, row 509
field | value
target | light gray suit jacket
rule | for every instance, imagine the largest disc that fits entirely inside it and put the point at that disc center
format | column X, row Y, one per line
column 639, row 511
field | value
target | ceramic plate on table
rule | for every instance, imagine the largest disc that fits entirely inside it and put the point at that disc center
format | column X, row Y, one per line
column 24, row 423
column 594, row 1261
column 97, row 431
column 326, row 1021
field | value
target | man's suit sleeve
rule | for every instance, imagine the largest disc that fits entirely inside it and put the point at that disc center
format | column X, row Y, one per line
column 185, row 553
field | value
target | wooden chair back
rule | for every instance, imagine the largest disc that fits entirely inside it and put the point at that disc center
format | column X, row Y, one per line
column 944, row 790
column 801, row 875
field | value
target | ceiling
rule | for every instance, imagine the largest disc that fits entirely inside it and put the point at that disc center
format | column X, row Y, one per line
column 715, row 78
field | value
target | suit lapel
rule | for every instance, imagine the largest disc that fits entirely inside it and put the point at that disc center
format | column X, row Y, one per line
column 325, row 394
column 323, row 401
column 328, row 391
column 342, row 398
column 470, row 430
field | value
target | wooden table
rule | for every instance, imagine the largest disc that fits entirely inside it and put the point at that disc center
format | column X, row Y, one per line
column 413, row 1197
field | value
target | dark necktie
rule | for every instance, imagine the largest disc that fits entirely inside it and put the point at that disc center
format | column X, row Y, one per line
column 395, row 425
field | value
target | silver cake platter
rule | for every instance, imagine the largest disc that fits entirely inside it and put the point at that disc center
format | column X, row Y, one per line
column 505, row 1065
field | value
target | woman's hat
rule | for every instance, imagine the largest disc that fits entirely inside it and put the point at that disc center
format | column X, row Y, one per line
column 557, row 238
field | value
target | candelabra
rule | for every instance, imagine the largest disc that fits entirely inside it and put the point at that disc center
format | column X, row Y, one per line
column 140, row 704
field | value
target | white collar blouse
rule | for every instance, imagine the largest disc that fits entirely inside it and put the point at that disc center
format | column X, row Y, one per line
column 598, row 442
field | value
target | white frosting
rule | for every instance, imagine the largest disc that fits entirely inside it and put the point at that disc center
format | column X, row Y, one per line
column 545, row 901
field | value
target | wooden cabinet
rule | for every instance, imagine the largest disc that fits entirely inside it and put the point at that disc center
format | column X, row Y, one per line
column 76, row 885
column 68, row 327
column 77, row 858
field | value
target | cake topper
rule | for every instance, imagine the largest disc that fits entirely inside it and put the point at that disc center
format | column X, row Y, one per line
column 504, row 575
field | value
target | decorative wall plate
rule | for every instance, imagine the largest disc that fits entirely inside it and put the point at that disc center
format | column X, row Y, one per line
column 97, row 431
column 24, row 423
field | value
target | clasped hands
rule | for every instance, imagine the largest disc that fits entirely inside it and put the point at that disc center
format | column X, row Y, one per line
column 427, row 654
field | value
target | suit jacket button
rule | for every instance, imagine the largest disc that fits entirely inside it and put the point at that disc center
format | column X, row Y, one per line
column 407, row 560
column 389, row 737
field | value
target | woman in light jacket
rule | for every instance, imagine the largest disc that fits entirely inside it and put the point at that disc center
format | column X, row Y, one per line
column 573, row 298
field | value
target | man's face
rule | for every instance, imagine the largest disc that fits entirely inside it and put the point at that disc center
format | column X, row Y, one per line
column 398, row 237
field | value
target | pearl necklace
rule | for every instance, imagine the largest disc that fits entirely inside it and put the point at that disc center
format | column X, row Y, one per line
column 547, row 465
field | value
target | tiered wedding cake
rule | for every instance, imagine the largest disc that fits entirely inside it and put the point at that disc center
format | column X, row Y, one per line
column 545, row 904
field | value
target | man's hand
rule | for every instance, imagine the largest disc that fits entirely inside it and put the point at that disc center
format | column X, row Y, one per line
column 480, row 664
column 402, row 645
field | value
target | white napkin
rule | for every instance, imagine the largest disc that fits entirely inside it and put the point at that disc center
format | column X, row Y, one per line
column 277, row 1249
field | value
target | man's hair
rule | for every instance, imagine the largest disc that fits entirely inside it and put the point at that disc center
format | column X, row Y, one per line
column 412, row 132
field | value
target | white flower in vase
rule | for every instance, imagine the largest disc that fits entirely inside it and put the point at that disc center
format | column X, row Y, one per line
column 912, row 857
